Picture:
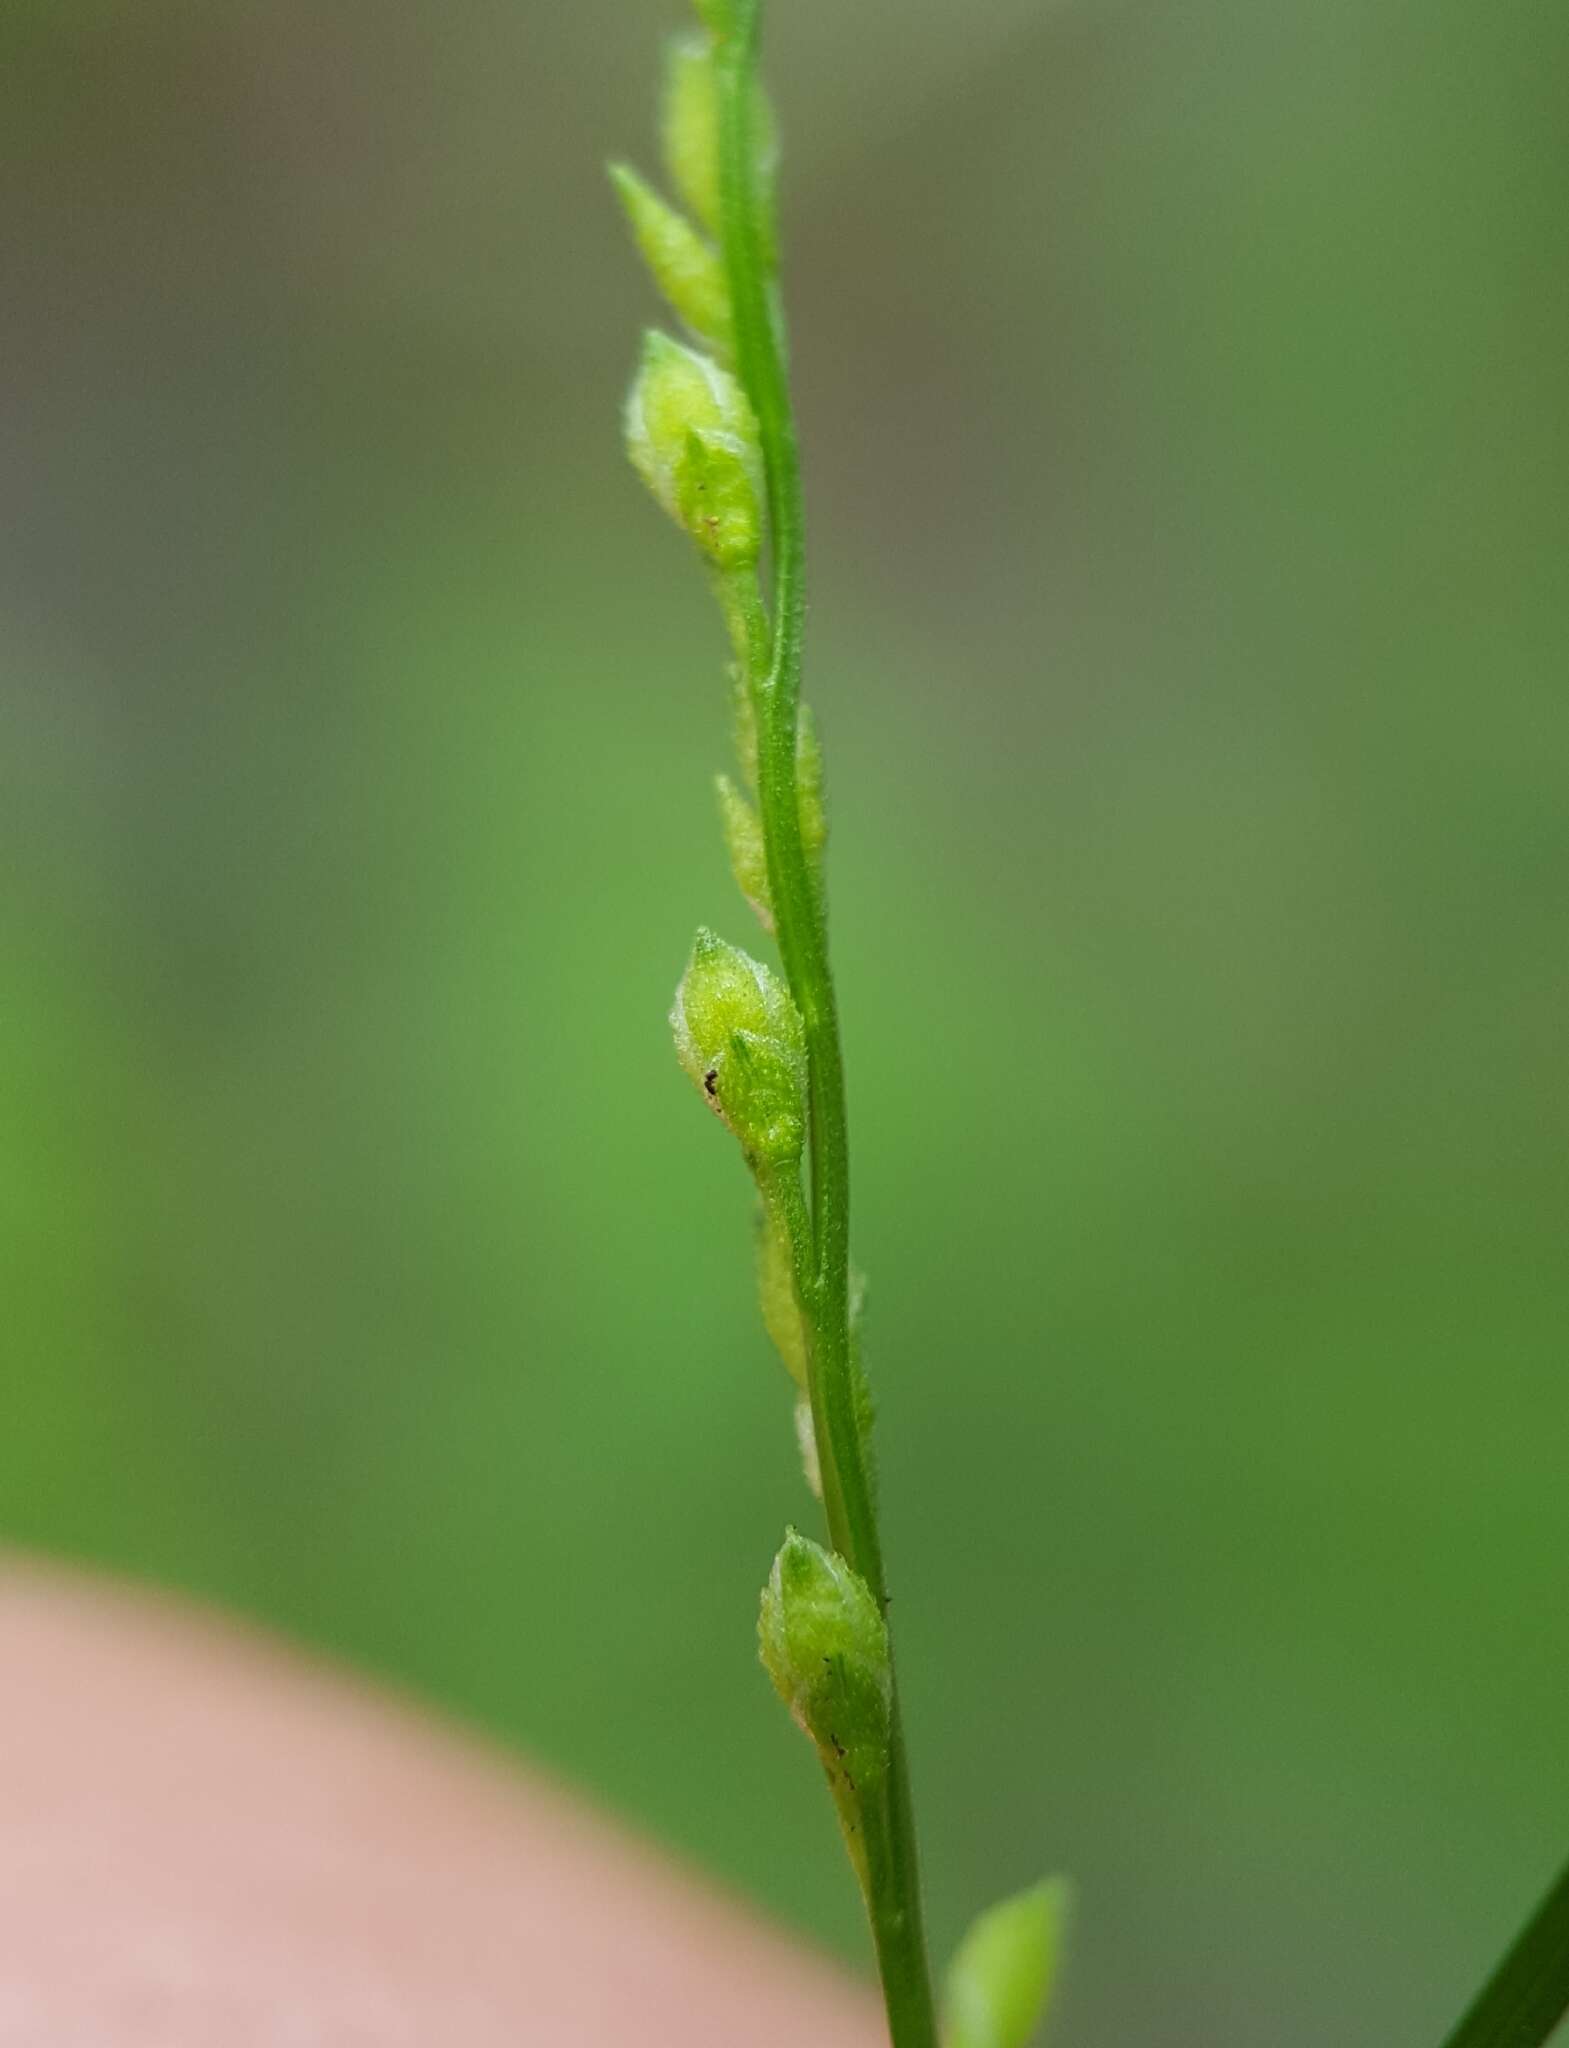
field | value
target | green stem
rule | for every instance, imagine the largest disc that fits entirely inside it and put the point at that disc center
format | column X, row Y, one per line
column 1528, row 1994
column 894, row 1893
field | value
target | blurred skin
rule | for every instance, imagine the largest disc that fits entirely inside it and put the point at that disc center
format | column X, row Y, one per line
column 207, row 1838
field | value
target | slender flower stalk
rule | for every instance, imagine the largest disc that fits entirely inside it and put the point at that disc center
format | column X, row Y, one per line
column 711, row 430
column 893, row 1879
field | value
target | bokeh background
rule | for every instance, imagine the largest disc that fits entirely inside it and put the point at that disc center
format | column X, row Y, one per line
column 1183, row 396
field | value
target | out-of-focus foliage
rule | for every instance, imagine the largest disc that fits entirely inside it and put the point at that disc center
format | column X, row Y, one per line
column 1000, row 1980
column 1186, row 432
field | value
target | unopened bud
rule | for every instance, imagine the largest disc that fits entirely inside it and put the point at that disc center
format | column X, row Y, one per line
column 685, row 268
column 693, row 440
column 825, row 1646
column 739, row 1037
column 690, row 125
column 690, row 128
column 743, row 831
column 776, row 1294
column 738, row 815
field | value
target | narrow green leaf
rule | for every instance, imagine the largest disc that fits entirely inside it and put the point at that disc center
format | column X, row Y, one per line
column 1528, row 1994
column 1000, row 1980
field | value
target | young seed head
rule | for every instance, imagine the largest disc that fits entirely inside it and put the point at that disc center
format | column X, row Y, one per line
column 692, row 438
column 685, row 268
column 825, row 1646
column 740, row 1039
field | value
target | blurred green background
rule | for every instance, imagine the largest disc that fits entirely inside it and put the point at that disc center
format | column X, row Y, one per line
column 1183, row 396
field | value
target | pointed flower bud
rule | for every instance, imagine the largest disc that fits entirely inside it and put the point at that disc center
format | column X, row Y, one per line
column 689, row 128
column 776, row 1294
column 1000, row 1980
column 743, row 830
column 738, row 815
column 685, row 268
column 739, row 1037
column 693, row 440
column 785, row 1324
column 690, row 125
column 825, row 1646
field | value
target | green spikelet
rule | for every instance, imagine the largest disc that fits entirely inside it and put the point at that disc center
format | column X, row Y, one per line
column 825, row 1646
column 776, row 1295
column 743, row 831
column 682, row 264
column 739, row 1038
column 691, row 437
